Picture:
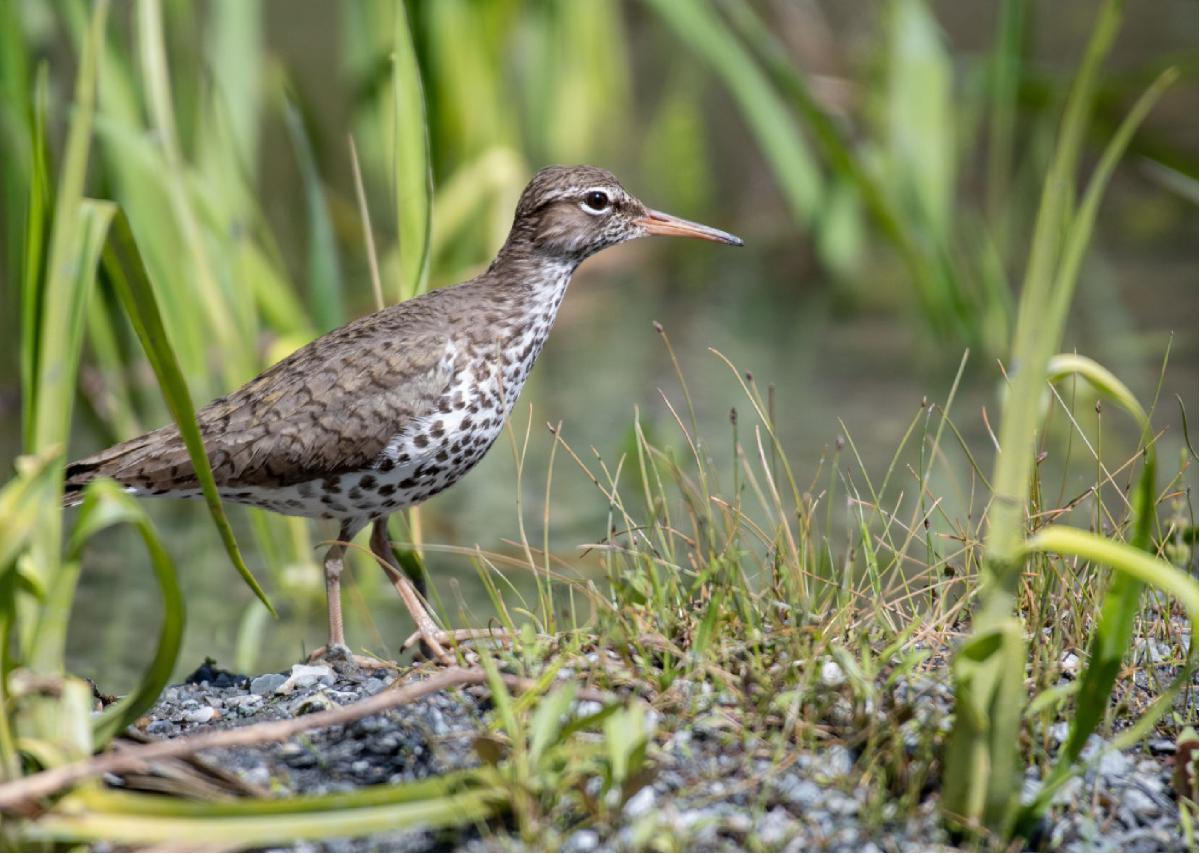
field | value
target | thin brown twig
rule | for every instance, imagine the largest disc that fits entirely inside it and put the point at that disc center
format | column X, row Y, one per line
column 21, row 795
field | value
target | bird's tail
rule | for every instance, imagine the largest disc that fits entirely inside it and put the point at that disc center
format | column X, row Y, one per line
column 123, row 462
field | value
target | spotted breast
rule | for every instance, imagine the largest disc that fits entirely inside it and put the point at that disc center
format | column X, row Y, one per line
column 484, row 367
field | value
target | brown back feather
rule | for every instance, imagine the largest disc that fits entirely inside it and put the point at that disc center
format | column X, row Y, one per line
column 330, row 407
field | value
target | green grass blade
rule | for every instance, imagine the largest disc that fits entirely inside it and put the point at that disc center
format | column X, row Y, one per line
column 426, row 789
column 1126, row 559
column 60, row 325
column 989, row 692
column 1037, row 335
column 37, row 215
column 105, row 505
column 920, row 117
column 44, row 631
column 1080, row 233
column 20, row 503
column 73, row 821
column 16, row 152
column 547, row 722
column 127, row 273
column 235, row 59
column 413, row 173
column 981, row 757
column 1004, row 79
column 1103, row 380
column 1114, row 630
column 324, row 267
column 222, row 323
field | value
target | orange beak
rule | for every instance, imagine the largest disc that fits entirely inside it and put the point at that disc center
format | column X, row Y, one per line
column 658, row 223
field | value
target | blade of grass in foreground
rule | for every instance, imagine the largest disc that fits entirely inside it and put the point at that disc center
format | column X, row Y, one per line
column 412, row 174
column 20, row 501
column 45, row 638
column 72, row 820
column 37, row 214
column 982, row 784
column 125, row 269
column 54, row 324
column 104, row 505
column 1114, row 630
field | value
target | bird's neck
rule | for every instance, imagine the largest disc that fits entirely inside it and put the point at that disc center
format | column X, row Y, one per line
column 532, row 277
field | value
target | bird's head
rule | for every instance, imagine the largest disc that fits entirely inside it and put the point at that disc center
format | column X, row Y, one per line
column 572, row 212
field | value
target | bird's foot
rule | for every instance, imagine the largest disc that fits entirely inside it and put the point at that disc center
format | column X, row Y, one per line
column 449, row 639
column 341, row 659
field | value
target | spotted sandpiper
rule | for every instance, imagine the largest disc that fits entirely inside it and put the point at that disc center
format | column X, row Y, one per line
column 392, row 408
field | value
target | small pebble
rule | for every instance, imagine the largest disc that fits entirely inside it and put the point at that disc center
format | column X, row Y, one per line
column 775, row 828
column 802, row 793
column 313, row 703
column 1113, row 764
column 267, row 683
column 200, row 715
column 832, row 674
column 374, row 686
column 1059, row 731
column 1138, row 802
column 639, row 803
column 584, row 840
column 306, row 676
column 249, row 705
column 161, row 727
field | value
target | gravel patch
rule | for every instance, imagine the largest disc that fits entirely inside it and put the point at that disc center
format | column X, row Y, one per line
column 713, row 787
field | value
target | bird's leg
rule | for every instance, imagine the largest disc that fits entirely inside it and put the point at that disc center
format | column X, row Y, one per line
column 333, row 593
column 336, row 650
column 426, row 628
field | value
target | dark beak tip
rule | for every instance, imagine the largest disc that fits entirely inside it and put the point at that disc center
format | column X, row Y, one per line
column 659, row 223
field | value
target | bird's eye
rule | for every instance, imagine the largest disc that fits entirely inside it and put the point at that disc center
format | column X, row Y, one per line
column 596, row 200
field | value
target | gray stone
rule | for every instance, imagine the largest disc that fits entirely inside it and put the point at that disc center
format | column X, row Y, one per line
column 312, row 703
column 249, row 705
column 200, row 715
column 306, row 676
column 160, row 727
column 584, row 840
column 639, row 803
column 1059, row 731
column 374, row 686
column 775, row 828
column 841, row 805
column 802, row 793
column 1113, row 764
column 1139, row 803
column 267, row 683
column 1067, row 793
column 832, row 674
column 837, row 761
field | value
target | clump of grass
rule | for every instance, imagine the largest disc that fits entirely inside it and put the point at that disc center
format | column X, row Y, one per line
column 983, row 772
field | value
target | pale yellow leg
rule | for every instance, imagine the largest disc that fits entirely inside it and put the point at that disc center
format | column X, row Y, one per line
column 426, row 628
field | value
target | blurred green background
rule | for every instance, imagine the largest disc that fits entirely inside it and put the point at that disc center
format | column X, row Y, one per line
column 882, row 161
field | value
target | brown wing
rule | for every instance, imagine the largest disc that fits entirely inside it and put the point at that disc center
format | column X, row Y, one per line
column 330, row 407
